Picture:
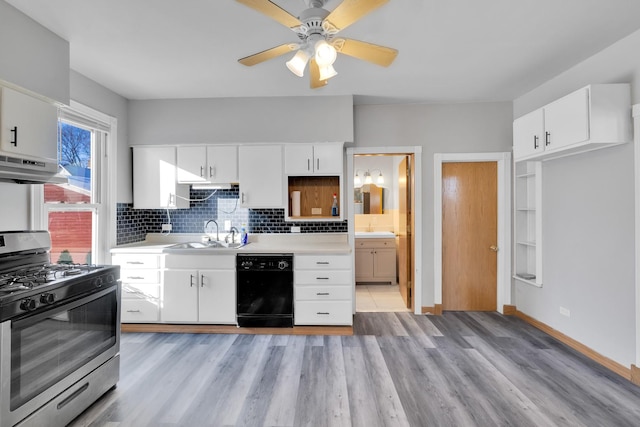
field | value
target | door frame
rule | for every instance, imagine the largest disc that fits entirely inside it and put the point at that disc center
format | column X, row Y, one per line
column 417, row 194
column 504, row 221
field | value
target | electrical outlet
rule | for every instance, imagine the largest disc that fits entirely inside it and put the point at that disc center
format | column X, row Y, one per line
column 295, row 229
column 316, row 211
column 227, row 225
column 565, row 312
column 166, row 227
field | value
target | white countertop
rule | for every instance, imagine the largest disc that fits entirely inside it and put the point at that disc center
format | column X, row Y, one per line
column 336, row 243
column 374, row 235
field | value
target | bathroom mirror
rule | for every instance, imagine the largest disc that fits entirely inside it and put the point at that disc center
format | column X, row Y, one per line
column 368, row 199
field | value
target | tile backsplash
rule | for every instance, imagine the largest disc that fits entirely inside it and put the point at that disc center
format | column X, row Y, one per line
column 221, row 205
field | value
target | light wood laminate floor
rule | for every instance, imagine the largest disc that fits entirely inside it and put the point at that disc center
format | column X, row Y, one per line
column 398, row 369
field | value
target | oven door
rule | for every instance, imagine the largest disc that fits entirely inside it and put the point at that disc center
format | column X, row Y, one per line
column 44, row 354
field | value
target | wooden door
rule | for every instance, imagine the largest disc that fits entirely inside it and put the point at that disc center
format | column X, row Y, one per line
column 405, row 244
column 469, row 236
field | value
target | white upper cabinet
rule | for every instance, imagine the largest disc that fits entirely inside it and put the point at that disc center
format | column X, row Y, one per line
column 200, row 164
column 261, row 178
column 528, row 134
column 154, row 179
column 593, row 117
column 29, row 127
column 309, row 159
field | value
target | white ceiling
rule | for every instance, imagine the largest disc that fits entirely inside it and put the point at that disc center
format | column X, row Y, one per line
column 450, row 50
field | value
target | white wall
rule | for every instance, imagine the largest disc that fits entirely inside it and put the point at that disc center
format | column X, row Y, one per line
column 588, row 222
column 455, row 128
column 222, row 120
column 33, row 57
column 14, row 211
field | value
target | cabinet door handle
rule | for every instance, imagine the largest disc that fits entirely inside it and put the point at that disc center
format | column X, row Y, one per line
column 535, row 142
column 202, row 171
column 133, row 311
column 309, row 164
column 212, row 171
column 547, row 138
column 322, row 262
column 202, row 280
column 322, row 278
column 135, row 262
column 242, row 201
column 323, row 313
column 14, row 131
column 317, row 164
column 191, row 282
column 322, row 293
column 135, row 277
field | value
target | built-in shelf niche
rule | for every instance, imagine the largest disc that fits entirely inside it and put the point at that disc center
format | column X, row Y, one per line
column 316, row 192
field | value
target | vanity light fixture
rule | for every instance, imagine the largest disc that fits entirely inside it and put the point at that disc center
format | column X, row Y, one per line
column 357, row 181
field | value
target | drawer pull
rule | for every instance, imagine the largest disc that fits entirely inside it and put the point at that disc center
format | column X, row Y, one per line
column 323, row 313
column 322, row 278
column 322, row 262
column 135, row 277
column 135, row 262
column 323, row 293
column 133, row 311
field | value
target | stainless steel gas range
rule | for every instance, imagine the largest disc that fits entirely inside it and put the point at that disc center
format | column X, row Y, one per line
column 59, row 333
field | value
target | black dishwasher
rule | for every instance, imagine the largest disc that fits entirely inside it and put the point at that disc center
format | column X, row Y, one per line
column 264, row 293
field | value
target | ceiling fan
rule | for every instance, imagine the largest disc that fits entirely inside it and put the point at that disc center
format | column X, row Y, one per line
column 317, row 29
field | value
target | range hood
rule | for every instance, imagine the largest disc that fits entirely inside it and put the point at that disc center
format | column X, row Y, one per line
column 25, row 171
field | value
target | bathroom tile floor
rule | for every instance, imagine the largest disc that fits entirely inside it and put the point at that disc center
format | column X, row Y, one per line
column 379, row 297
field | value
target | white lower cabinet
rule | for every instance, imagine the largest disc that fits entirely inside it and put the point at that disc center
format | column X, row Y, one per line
column 141, row 276
column 199, row 289
column 323, row 290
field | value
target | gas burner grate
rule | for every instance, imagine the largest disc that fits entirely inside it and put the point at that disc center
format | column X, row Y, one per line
column 32, row 276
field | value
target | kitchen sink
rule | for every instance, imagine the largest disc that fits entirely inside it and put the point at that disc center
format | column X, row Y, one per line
column 207, row 245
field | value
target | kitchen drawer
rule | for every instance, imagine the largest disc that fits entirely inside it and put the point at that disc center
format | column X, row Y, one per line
column 320, row 293
column 323, row 313
column 136, row 260
column 139, row 311
column 140, row 290
column 376, row 243
column 202, row 262
column 328, row 277
column 140, row 276
column 317, row 262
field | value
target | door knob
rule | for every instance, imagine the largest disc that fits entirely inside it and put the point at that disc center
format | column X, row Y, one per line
column 494, row 248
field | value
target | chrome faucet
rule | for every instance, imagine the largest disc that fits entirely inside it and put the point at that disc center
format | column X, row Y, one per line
column 217, row 230
column 232, row 233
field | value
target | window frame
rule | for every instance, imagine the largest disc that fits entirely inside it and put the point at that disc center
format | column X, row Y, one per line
column 103, row 203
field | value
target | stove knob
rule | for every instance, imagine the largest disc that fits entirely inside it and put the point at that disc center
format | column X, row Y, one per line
column 282, row 265
column 28, row 304
column 98, row 282
column 47, row 298
column 111, row 278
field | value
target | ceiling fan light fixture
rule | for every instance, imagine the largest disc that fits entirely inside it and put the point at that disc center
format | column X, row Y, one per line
column 327, row 72
column 299, row 61
column 325, row 53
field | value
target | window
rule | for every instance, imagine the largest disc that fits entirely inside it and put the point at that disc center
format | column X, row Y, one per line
column 76, row 213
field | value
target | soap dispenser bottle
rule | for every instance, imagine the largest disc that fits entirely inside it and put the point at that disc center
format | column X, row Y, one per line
column 334, row 205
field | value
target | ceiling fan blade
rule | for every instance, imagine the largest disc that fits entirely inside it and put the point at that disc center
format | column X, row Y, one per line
column 349, row 11
column 267, row 54
column 374, row 53
column 273, row 11
column 314, row 75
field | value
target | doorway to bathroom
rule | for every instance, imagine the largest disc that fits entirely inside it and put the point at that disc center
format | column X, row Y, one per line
column 383, row 223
